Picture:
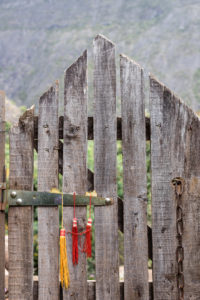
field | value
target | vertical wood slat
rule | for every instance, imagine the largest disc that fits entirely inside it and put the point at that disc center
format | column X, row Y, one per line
column 164, row 167
column 75, row 167
column 191, row 203
column 20, row 220
column 106, row 228
column 134, row 179
column 48, row 218
column 175, row 153
column 2, row 213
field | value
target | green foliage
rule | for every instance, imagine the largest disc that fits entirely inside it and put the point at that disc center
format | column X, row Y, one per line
column 90, row 161
column 91, row 260
column 23, row 108
column 119, row 170
column 148, row 163
column 7, row 128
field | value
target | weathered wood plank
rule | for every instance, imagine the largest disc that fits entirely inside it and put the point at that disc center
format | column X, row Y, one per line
column 134, row 179
column 48, row 218
column 2, row 213
column 75, row 166
column 163, row 167
column 20, row 238
column 106, row 227
column 175, row 152
column 186, row 152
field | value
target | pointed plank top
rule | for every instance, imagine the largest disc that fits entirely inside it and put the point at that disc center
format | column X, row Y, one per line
column 103, row 43
column 154, row 82
column 81, row 58
column 125, row 58
column 48, row 92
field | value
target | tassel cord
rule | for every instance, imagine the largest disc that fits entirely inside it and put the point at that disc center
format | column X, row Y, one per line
column 74, row 236
column 64, row 270
column 87, row 246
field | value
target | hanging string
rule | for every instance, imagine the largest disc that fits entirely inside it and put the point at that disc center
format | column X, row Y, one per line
column 62, row 212
column 74, row 198
column 90, row 205
column 64, row 270
column 74, row 236
column 87, row 246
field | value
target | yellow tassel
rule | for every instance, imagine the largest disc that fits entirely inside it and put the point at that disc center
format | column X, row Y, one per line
column 64, row 270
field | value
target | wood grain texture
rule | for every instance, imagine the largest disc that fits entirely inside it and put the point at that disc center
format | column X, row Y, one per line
column 175, row 152
column 190, row 200
column 75, row 166
column 163, row 169
column 2, row 213
column 134, row 179
column 106, row 226
column 20, row 238
column 48, row 218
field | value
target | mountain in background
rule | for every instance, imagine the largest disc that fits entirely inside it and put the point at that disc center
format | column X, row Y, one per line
column 41, row 38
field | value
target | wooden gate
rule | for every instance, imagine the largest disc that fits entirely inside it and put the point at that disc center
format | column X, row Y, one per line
column 61, row 144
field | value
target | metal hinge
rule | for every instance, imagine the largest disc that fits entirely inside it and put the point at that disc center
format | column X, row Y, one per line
column 33, row 198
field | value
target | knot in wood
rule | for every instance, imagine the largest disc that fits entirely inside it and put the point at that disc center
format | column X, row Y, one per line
column 72, row 131
column 22, row 124
column 178, row 184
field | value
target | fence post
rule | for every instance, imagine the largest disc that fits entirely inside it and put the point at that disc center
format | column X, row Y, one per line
column 20, row 219
column 105, row 128
column 48, row 217
column 2, row 213
column 163, row 168
column 134, row 179
column 175, row 148
column 75, row 167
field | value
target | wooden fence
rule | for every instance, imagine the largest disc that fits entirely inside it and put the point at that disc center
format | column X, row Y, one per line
column 61, row 143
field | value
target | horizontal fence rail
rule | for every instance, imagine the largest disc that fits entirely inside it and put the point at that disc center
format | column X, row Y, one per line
column 90, row 128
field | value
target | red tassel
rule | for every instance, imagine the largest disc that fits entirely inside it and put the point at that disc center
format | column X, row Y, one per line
column 87, row 247
column 75, row 242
